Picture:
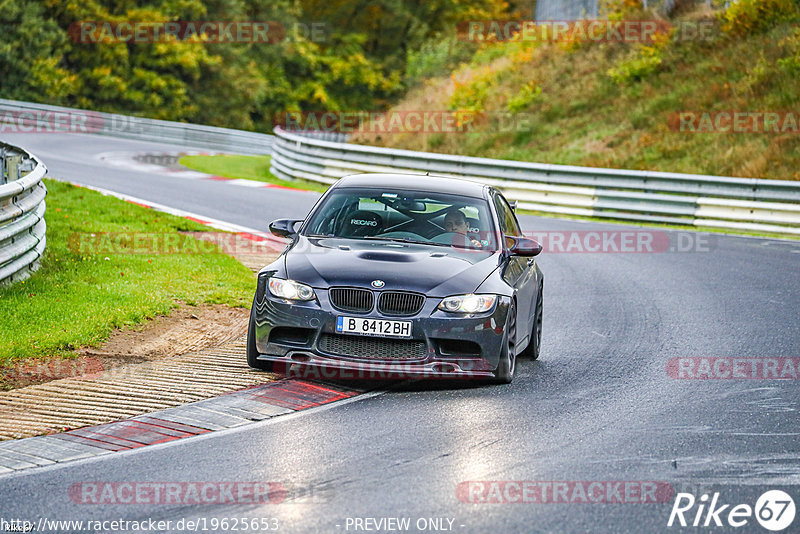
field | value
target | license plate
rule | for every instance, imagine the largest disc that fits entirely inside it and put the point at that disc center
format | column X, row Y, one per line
column 373, row 327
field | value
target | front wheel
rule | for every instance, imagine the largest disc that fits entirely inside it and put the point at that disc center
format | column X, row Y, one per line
column 507, row 366
column 252, row 352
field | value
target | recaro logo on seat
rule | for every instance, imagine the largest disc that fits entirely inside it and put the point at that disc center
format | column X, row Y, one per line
column 362, row 222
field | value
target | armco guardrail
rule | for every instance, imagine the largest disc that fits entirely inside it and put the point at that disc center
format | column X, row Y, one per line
column 22, row 226
column 40, row 118
column 644, row 196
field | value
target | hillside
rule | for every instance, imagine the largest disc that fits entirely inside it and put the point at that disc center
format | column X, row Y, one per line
column 619, row 104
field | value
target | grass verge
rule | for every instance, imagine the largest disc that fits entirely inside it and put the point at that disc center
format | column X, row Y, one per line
column 617, row 104
column 245, row 167
column 77, row 298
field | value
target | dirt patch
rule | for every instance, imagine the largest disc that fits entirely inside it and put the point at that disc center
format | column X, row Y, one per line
column 185, row 329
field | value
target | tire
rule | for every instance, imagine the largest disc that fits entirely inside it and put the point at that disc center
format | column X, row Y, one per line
column 252, row 352
column 535, row 343
column 507, row 366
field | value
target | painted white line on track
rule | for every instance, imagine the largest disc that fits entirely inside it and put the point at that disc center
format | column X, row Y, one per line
column 202, row 219
column 247, row 183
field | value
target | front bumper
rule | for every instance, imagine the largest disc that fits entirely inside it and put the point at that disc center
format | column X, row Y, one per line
column 298, row 337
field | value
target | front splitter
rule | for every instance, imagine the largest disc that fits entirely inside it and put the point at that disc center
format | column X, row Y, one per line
column 309, row 365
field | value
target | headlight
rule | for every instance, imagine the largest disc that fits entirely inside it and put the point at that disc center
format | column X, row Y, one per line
column 289, row 289
column 468, row 303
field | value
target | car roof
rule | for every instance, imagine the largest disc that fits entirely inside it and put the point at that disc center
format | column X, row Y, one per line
column 414, row 182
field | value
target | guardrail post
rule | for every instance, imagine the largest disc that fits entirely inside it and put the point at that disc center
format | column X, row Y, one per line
column 26, row 166
column 2, row 166
column 12, row 168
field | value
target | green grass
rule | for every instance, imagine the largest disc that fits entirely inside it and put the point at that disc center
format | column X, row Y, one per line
column 245, row 167
column 78, row 299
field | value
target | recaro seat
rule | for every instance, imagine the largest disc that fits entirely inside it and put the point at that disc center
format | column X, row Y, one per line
column 362, row 223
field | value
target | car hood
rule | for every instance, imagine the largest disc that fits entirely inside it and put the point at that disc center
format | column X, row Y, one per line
column 432, row 270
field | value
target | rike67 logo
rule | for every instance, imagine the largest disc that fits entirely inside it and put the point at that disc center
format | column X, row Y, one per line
column 774, row 510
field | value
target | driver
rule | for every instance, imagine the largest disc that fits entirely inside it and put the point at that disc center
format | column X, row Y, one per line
column 456, row 222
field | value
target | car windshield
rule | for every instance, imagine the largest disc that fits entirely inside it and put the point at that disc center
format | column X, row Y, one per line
column 406, row 216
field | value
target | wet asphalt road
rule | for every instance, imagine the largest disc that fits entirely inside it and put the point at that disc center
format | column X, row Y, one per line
column 599, row 405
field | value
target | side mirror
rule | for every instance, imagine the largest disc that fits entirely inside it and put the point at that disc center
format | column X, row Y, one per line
column 513, row 204
column 522, row 246
column 284, row 227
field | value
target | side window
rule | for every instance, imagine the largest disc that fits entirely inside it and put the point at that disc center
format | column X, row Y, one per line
column 508, row 222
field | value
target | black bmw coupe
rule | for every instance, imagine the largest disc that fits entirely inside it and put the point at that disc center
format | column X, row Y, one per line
column 395, row 275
